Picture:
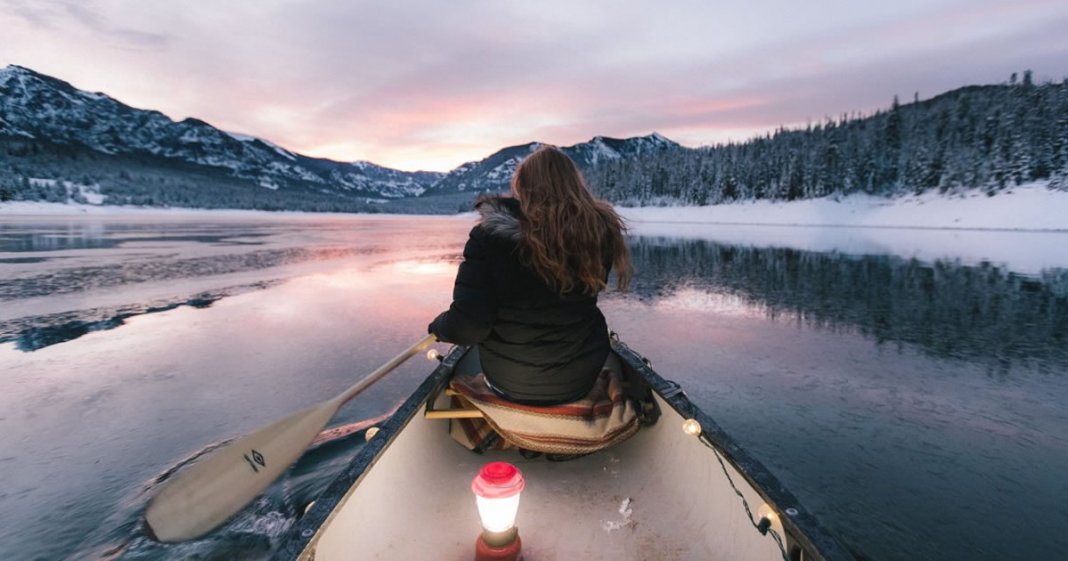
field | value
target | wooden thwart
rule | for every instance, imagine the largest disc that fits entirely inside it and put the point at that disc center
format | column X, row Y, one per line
column 466, row 412
column 453, row 414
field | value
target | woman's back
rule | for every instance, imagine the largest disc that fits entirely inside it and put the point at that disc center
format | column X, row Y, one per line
column 526, row 291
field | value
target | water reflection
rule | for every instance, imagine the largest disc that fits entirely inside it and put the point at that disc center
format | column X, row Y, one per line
column 982, row 313
column 78, row 279
column 424, row 267
column 34, row 333
column 96, row 235
column 94, row 416
column 886, row 446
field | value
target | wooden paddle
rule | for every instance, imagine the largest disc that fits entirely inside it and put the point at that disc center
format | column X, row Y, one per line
column 209, row 492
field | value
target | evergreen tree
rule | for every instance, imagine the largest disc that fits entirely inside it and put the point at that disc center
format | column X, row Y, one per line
column 989, row 137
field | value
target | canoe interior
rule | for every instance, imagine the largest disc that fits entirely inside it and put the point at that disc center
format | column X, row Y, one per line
column 662, row 495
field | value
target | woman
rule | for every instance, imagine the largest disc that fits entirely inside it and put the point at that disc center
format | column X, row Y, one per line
column 526, row 291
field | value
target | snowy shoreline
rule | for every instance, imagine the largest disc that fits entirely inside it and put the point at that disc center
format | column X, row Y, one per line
column 1024, row 229
column 1033, row 208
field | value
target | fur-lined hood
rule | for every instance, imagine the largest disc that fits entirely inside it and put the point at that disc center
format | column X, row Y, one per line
column 500, row 217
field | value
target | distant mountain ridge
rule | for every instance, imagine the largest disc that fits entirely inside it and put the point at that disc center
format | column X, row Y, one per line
column 494, row 173
column 48, row 122
column 61, row 144
column 34, row 105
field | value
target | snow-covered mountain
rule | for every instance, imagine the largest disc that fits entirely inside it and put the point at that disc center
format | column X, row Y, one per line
column 494, row 173
column 35, row 106
column 95, row 143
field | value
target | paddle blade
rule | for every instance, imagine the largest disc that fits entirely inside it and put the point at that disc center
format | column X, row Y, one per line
column 200, row 498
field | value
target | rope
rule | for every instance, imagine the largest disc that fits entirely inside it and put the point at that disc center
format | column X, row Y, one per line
column 764, row 526
column 745, row 504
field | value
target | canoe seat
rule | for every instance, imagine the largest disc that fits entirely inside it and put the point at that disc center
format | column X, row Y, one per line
column 605, row 417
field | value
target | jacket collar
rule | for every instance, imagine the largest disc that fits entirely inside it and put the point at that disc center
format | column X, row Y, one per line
column 500, row 216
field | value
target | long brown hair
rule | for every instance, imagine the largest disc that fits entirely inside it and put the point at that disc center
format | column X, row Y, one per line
column 569, row 236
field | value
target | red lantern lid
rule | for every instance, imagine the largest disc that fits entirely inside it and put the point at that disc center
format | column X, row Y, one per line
column 497, row 480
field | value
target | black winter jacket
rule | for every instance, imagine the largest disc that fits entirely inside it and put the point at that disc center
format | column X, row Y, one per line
column 536, row 346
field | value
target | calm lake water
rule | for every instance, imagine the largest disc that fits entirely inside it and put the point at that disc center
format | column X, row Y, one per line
column 915, row 406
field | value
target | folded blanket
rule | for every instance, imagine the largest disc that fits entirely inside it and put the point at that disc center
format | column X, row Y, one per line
column 603, row 418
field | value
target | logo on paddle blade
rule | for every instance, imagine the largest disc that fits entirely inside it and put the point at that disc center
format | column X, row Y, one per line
column 256, row 458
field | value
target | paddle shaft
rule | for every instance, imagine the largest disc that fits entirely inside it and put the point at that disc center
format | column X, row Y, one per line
column 201, row 497
column 386, row 368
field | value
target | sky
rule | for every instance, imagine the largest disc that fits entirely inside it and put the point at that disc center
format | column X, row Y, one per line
column 431, row 84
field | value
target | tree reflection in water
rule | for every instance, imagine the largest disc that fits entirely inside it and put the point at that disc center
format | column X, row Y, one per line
column 979, row 313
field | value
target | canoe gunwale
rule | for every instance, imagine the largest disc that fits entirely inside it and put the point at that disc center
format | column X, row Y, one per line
column 803, row 530
column 304, row 530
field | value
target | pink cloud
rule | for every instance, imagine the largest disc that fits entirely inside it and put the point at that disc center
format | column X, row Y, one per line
column 408, row 85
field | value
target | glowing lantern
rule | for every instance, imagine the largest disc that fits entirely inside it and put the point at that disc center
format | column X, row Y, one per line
column 497, row 487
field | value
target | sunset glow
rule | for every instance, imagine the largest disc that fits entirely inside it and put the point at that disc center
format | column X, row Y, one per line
column 432, row 85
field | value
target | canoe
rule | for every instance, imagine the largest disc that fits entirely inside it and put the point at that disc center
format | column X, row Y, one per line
column 680, row 489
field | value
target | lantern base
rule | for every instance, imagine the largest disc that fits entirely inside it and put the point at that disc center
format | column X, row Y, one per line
column 512, row 550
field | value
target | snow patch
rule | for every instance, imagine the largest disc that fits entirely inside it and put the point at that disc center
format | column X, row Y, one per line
column 626, row 510
column 90, row 194
column 601, row 151
column 249, row 139
column 1027, row 207
column 1024, row 230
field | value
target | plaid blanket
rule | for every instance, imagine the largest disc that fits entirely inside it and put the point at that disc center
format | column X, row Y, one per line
column 601, row 419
